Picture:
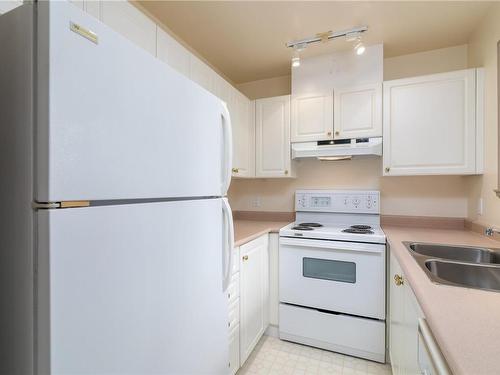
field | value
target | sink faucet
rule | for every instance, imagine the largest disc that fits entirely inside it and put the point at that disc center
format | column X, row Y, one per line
column 489, row 231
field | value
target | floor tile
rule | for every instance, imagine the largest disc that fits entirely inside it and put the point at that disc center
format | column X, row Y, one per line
column 273, row 356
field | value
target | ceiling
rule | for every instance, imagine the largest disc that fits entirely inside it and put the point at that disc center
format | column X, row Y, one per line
column 246, row 40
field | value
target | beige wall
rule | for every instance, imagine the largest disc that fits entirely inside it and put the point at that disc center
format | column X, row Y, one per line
column 429, row 62
column 425, row 196
column 266, row 88
column 483, row 52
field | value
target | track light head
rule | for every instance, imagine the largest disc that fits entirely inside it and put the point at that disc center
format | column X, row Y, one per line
column 360, row 48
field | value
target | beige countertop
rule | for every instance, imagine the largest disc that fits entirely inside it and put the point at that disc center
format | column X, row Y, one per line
column 247, row 230
column 465, row 322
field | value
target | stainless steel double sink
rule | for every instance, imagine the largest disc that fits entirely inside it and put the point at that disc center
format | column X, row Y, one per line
column 463, row 266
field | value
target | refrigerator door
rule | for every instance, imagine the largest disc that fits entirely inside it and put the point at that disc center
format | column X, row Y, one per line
column 132, row 289
column 114, row 122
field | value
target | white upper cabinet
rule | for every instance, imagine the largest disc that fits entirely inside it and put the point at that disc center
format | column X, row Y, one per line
column 272, row 137
column 433, row 124
column 358, row 112
column 93, row 7
column 173, row 53
column 354, row 80
column 79, row 3
column 202, row 74
column 312, row 118
column 241, row 110
column 129, row 21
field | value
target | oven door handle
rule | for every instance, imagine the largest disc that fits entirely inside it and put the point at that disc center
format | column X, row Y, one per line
column 334, row 245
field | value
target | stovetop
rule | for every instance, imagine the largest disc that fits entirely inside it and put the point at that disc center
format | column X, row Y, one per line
column 352, row 232
column 339, row 215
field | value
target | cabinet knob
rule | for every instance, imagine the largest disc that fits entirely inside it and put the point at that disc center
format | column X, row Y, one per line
column 235, row 170
column 286, row 171
column 398, row 280
column 337, row 133
column 329, row 134
column 245, row 257
column 387, row 169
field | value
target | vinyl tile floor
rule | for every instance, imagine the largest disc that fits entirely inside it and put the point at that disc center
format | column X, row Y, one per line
column 273, row 356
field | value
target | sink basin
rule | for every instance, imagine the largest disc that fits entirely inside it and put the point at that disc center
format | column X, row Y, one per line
column 459, row 253
column 465, row 266
column 463, row 274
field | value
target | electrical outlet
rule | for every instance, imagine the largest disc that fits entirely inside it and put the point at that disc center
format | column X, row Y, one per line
column 256, row 202
column 480, row 206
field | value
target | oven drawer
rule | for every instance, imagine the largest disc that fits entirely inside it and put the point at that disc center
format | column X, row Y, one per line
column 346, row 277
column 350, row 335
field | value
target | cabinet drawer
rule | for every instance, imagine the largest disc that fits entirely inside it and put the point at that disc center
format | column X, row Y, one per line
column 234, row 349
column 236, row 261
column 346, row 334
column 233, row 291
column 234, row 314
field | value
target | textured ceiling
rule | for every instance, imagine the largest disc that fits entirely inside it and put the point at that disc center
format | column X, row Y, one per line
column 246, row 40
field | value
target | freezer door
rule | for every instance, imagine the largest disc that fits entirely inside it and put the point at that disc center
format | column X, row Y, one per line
column 114, row 122
column 132, row 289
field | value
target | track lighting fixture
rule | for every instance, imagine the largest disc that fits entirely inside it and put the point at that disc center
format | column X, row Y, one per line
column 360, row 48
column 296, row 54
column 323, row 37
column 355, row 37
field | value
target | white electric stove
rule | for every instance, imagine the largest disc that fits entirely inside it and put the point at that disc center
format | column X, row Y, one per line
column 332, row 273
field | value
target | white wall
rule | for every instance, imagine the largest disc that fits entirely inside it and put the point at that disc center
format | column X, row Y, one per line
column 444, row 196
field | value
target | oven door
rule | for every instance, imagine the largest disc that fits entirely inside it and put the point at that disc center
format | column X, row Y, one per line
column 344, row 277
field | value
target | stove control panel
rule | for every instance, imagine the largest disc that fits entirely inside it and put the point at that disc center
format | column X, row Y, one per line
column 341, row 201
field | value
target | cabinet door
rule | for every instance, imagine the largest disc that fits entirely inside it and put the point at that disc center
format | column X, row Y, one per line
column 396, row 317
column 241, row 110
column 312, row 118
column 272, row 137
column 93, row 7
column 403, row 329
column 202, row 74
column 430, row 124
column 254, row 279
column 173, row 53
column 358, row 112
column 129, row 21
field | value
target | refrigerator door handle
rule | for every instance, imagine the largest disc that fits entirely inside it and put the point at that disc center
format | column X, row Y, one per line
column 228, row 245
column 227, row 136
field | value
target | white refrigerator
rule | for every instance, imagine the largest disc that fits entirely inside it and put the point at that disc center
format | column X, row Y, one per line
column 116, row 236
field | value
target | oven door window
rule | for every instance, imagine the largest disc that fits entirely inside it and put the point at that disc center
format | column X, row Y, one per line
column 325, row 269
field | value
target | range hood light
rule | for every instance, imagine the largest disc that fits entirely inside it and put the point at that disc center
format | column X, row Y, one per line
column 334, row 158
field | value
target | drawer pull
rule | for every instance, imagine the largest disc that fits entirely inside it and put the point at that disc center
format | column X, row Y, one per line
column 245, row 257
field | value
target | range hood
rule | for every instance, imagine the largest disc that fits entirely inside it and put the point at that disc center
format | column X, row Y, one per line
column 338, row 149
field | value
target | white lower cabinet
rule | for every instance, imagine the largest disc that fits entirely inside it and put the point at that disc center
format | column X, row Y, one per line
column 412, row 348
column 254, row 294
